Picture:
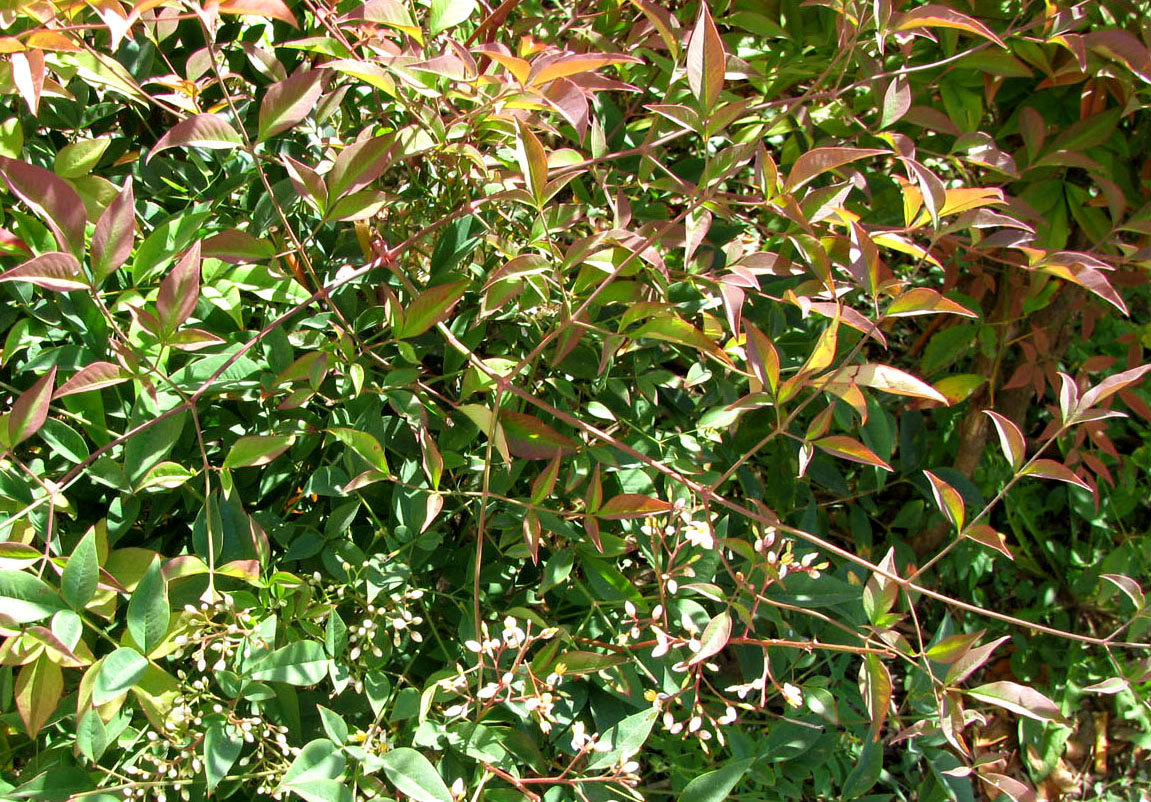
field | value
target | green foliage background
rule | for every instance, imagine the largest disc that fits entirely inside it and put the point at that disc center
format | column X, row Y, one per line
column 576, row 401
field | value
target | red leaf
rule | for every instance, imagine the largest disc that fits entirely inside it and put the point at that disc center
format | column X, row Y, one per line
column 288, row 102
column 815, row 163
column 430, row 307
column 92, row 377
column 531, row 438
column 115, row 231
column 846, row 448
column 1111, row 385
column 1010, row 438
column 982, row 533
column 31, row 409
column 948, row 498
column 1050, row 469
column 940, row 16
column 179, row 291
column 706, row 61
column 715, row 636
column 1019, row 699
column 549, row 68
column 924, row 301
column 199, row 131
column 876, row 687
column 632, row 505
column 50, row 197
column 272, row 9
column 57, row 271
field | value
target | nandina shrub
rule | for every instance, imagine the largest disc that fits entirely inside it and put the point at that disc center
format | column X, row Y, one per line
column 588, row 402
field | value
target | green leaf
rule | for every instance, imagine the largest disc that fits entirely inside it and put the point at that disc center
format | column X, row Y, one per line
column 257, row 449
column 148, row 610
column 80, row 158
column 81, row 573
column 64, row 440
column 625, row 739
column 866, row 772
column 365, row 445
column 222, row 745
column 25, row 598
column 91, row 736
column 716, row 786
column 432, row 306
column 315, row 773
column 413, row 774
column 445, row 14
column 299, row 663
column 118, row 673
column 200, row 131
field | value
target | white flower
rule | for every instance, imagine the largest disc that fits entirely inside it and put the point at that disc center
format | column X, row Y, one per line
column 698, row 533
column 792, row 694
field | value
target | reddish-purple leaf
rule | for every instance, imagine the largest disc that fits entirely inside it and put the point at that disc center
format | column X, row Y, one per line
column 531, row 438
column 847, row 448
column 948, row 499
column 815, row 163
column 430, row 307
column 1124, row 47
column 199, row 131
column 706, row 62
column 988, row 536
column 1013, row 789
column 1129, row 587
column 675, row 330
column 1010, row 438
column 31, row 409
column 970, row 662
column 935, row 15
column 115, row 231
column 57, row 271
column 896, row 101
column 549, row 68
column 532, row 532
column 876, row 688
column 1111, row 385
column 179, row 291
column 1018, row 699
column 272, row 9
column 1068, row 397
column 288, row 102
column 892, row 380
column 924, row 301
column 713, row 639
column 1050, row 469
column 358, row 165
column 951, row 648
column 632, row 505
column 237, row 247
column 93, row 377
column 50, row 197
column 763, row 356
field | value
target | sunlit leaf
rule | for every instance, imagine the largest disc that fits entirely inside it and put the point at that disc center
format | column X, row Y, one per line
column 706, row 62
column 209, row 131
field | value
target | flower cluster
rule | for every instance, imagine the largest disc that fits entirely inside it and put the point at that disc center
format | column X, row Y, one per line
column 515, row 683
